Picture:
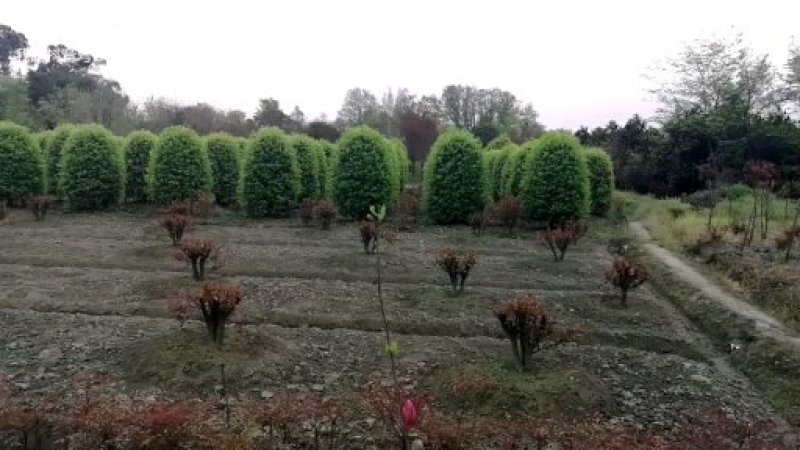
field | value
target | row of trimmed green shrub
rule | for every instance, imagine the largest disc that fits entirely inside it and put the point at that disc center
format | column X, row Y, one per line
column 554, row 176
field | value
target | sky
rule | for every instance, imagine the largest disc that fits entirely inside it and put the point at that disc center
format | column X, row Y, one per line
column 578, row 62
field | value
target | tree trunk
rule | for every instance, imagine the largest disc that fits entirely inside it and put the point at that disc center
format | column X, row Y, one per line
column 196, row 270
column 454, row 282
column 515, row 349
column 202, row 267
column 624, row 298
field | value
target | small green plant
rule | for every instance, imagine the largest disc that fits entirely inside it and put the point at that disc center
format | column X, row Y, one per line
column 457, row 264
column 626, row 273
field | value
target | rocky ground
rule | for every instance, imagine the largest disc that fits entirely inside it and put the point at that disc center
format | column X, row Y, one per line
column 89, row 293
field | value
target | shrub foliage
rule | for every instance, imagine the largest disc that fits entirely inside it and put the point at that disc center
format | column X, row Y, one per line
column 271, row 178
column 528, row 325
column 55, row 150
column 138, row 148
column 626, row 273
column 223, row 155
column 179, row 168
column 455, row 181
column 22, row 169
column 601, row 180
column 363, row 175
column 92, row 172
column 555, row 186
column 216, row 300
column 307, row 153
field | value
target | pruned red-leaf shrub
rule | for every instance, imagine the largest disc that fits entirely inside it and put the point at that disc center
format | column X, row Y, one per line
column 408, row 208
column 457, row 264
column 100, row 423
column 216, row 300
column 183, row 208
column 27, row 421
column 285, row 415
column 369, row 236
column 528, row 326
column 508, row 211
column 626, row 273
column 386, row 404
column 477, row 221
column 204, row 205
column 197, row 252
column 785, row 241
column 558, row 240
column 175, row 225
column 163, row 425
column 307, row 211
column 326, row 212
column 39, row 205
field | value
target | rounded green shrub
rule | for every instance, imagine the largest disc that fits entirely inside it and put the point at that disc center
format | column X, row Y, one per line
column 324, row 171
column 179, row 168
column 305, row 149
column 514, row 169
column 138, row 148
column 329, row 152
column 402, row 163
column 92, row 172
column 271, row 181
column 55, row 149
column 555, row 185
column 223, row 154
column 601, row 180
column 499, row 142
column 455, row 178
column 497, row 177
column 42, row 140
column 22, row 166
column 363, row 177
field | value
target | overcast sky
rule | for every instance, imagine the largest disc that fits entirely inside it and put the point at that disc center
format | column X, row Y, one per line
column 578, row 62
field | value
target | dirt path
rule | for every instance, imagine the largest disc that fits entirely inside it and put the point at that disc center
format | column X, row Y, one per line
column 763, row 322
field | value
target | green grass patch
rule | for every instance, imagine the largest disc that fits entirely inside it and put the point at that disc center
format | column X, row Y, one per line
column 496, row 389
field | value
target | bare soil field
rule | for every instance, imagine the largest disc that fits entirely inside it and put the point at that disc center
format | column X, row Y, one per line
column 90, row 293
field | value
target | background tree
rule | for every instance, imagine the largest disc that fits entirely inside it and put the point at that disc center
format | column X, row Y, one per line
column 322, row 130
column 360, row 107
column 270, row 114
column 13, row 45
